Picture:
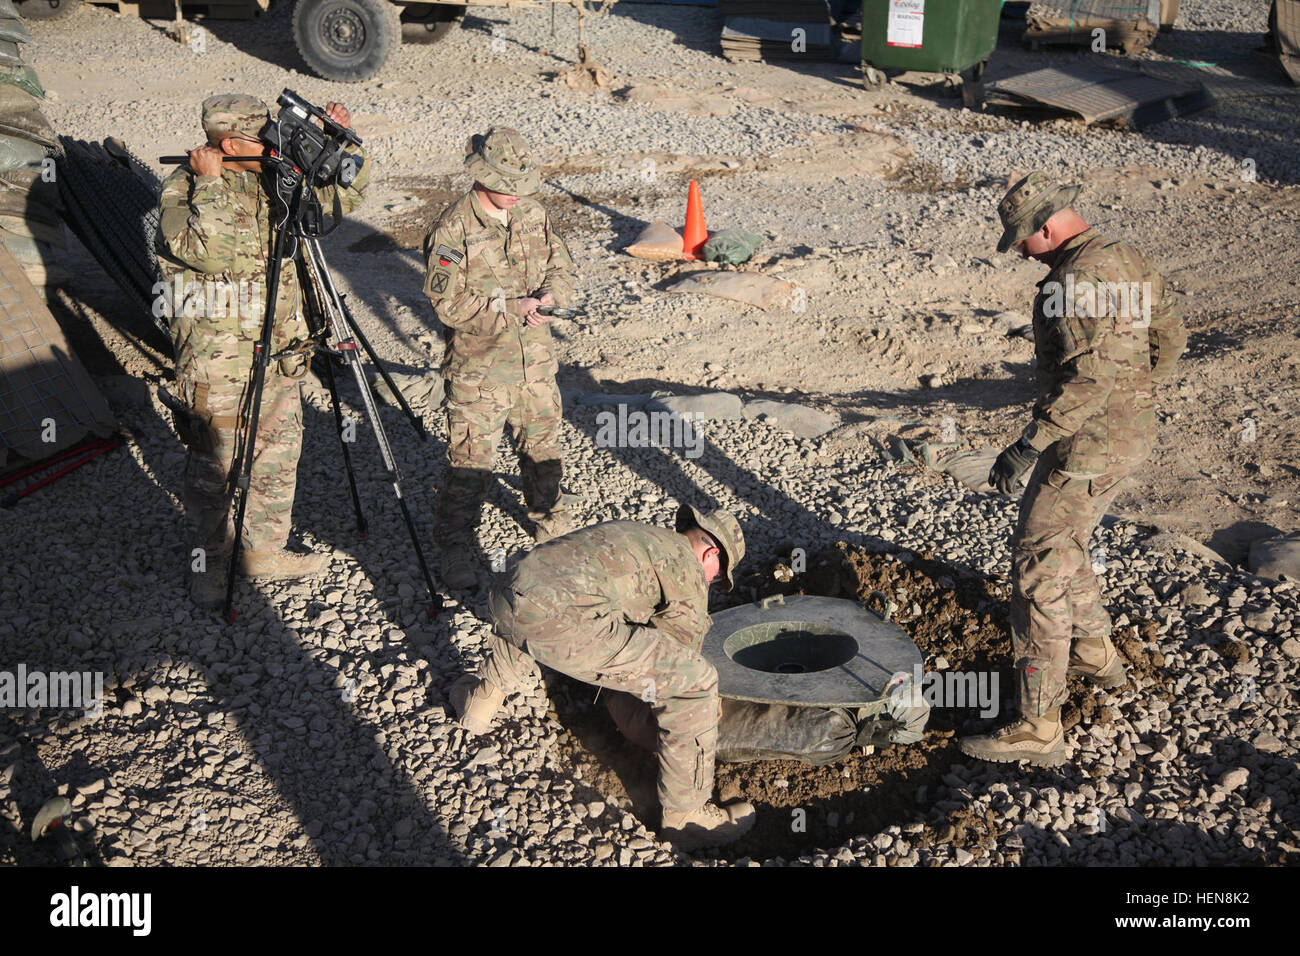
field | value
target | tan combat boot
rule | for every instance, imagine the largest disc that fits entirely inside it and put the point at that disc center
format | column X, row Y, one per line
column 710, row 825
column 552, row 526
column 208, row 588
column 1097, row 660
column 458, row 568
column 280, row 565
column 476, row 702
column 1039, row 740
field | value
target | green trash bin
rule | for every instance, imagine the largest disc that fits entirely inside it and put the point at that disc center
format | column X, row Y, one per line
column 928, row 36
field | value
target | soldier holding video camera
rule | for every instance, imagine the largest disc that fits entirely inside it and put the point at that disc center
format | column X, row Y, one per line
column 214, row 243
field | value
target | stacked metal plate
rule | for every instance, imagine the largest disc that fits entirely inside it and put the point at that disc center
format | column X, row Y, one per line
column 30, row 226
column 770, row 30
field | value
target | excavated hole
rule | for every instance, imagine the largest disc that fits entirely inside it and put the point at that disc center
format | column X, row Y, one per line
column 790, row 647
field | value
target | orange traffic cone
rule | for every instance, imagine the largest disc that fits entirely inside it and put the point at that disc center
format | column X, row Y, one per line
column 695, row 233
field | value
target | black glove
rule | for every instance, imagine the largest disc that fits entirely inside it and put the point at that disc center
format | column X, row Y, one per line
column 1014, row 461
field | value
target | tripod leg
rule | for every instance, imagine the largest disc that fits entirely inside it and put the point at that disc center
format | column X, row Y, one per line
column 344, row 333
column 261, row 358
column 362, row 531
column 316, row 310
column 260, row 355
column 416, row 422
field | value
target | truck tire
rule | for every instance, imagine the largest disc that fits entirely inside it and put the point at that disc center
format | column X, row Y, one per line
column 347, row 40
column 47, row 9
column 429, row 22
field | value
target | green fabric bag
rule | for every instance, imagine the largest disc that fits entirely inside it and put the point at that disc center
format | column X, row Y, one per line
column 23, row 77
column 732, row 246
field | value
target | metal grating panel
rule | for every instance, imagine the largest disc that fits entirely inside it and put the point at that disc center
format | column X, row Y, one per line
column 1095, row 93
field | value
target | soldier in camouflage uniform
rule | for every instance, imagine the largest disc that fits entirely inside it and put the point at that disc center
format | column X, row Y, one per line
column 625, row 605
column 493, row 264
column 214, row 242
column 1106, row 332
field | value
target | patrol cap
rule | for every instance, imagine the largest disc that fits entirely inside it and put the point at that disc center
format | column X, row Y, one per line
column 723, row 527
column 499, row 160
column 228, row 113
column 1029, row 204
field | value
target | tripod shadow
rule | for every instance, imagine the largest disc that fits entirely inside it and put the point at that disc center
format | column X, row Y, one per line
column 775, row 518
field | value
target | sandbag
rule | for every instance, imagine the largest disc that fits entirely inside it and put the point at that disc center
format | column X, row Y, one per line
column 9, row 53
column 47, row 274
column 23, row 77
column 658, row 241
column 732, row 246
column 28, row 251
column 16, row 99
column 749, row 731
column 34, row 228
column 14, row 31
column 812, row 735
column 22, row 176
column 31, row 125
column 752, row 288
column 25, row 203
column 1277, row 558
column 20, row 155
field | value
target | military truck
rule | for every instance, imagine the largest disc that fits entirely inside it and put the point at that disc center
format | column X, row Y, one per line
column 344, row 40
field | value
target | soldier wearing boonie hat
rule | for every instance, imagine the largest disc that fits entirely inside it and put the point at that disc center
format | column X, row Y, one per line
column 1106, row 331
column 494, row 263
column 624, row 605
column 1029, row 204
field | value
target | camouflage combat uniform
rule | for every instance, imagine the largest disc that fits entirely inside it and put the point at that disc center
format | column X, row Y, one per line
column 1094, row 422
column 214, row 232
column 497, row 370
column 625, row 606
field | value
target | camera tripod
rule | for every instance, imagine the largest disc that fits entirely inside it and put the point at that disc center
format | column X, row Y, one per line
column 296, row 222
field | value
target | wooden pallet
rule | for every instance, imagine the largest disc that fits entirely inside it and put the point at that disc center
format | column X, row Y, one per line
column 1131, row 36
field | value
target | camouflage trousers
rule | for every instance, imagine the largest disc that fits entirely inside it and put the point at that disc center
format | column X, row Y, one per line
column 218, row 394
column 679, row 686
column 1055, row 598
column 476, row 417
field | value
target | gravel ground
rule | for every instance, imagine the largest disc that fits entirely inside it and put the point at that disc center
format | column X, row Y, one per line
column 314, row 730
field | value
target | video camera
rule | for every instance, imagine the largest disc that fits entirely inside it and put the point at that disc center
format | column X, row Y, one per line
column 293, row 135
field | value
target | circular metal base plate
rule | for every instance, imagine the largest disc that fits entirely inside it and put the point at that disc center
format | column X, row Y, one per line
column 819, row 651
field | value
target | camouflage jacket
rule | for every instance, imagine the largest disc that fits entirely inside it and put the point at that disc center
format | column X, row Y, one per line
column 478, row 270
column 214, row 246
column 616, row 572
column 1105, row 330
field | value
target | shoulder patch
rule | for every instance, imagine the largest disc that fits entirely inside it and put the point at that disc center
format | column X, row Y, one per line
column 449, row 256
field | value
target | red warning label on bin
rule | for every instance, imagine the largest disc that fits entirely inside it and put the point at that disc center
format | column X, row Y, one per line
column 906, row 23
